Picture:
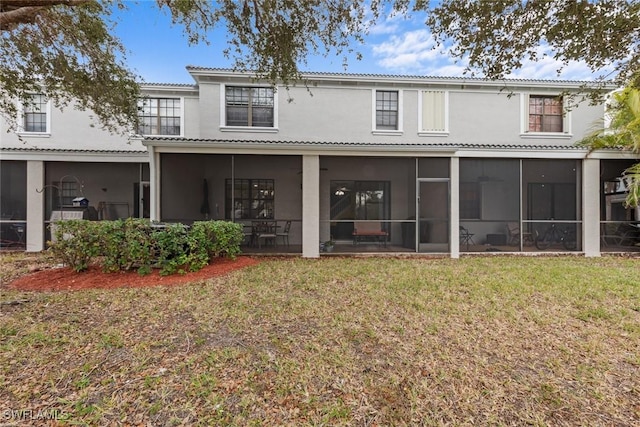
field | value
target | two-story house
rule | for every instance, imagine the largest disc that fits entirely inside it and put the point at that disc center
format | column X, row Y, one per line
column 400, row 164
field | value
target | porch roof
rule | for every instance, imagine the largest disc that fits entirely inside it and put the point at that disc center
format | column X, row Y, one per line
column 359, row 148
column 77, row 155
column 450, row 146
column 69, row 150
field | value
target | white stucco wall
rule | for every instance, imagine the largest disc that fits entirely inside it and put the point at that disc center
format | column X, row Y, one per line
column 335, row 112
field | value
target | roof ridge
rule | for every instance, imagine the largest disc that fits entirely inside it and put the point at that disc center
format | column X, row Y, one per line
column 406, row 76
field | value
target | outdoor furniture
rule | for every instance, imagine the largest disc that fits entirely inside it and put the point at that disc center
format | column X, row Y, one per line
column 514, row 235
column 247, row 233
column 619, row 234
column 265, row 231
column 466, row 238
column 366, row 230
column 284, row 234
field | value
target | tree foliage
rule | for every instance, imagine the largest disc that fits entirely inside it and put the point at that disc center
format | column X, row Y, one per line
column 67, row 46
column 65, row 49
column 622, row 133
column 499, row 35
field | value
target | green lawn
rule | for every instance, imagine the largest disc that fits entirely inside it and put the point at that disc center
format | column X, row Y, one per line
column 338, row 341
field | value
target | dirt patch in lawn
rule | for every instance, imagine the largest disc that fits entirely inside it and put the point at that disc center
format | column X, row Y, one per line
column 64, row 278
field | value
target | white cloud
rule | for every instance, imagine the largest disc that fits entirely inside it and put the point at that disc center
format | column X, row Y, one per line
column 415, row 52
column 407, row 52
column 549, row 68
column 390, row 25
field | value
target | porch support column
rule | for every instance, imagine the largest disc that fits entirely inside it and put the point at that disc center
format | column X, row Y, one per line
column 591, row 207
column 154, row 184
column 310, row 206
column 454, row 214
column 35, row 206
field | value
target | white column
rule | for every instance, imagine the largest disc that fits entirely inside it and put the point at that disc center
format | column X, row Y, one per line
column 591, row 207
column 35, row 206
column 311, row 206
column 154, row 184
column 454, row 189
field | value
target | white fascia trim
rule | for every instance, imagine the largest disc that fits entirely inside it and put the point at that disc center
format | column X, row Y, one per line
column 223, row 110
column 521, row 154
column 239, row 148
column 613, row 154
column 77, row 157
column 376, row 131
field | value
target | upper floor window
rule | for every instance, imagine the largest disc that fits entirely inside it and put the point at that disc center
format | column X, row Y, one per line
column 545, row 114
column 249, row 106
column 387, row 110
column 35, row 114
column 159, row 116
column 433, row 115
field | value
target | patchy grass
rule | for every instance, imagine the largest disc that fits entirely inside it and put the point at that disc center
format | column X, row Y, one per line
column 15, row 264
column 338, row 341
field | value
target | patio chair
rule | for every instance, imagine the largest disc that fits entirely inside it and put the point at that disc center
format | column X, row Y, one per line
column 514, row 235
column 284, row 234
column 248, row 236
column 466, row 238
column 265, row 231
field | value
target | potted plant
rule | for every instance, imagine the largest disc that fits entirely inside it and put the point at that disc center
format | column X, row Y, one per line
column 328, row 245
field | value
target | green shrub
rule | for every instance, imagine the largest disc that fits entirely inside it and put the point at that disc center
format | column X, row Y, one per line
column 112, row 246
column 218, row 238
column 127, row 244
column 75, row 242
column 172, row 248
column 137, row 243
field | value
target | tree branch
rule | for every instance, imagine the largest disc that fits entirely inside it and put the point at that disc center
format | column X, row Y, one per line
column 16, row 4
column 14, row 12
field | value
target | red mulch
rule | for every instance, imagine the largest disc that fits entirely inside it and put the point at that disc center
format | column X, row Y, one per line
column 63, row 279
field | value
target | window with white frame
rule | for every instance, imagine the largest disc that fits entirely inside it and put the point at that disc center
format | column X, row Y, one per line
column 63, row 193
column 249, row 106
column 35, row 114
column 387, row 110
column 545, row 114
column 159, row 116
column 433, row 115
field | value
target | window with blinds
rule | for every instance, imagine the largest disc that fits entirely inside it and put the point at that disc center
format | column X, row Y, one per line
column 433, row 111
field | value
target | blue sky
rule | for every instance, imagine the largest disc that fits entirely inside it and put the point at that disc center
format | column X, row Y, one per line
column 159, row 52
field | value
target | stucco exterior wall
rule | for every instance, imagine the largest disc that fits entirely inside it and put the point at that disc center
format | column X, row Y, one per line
column 335, row 113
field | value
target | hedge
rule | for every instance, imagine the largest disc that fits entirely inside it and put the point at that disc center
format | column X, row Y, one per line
column 140, row 244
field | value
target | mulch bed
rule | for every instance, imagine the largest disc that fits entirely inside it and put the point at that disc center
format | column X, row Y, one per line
column 64, row 278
